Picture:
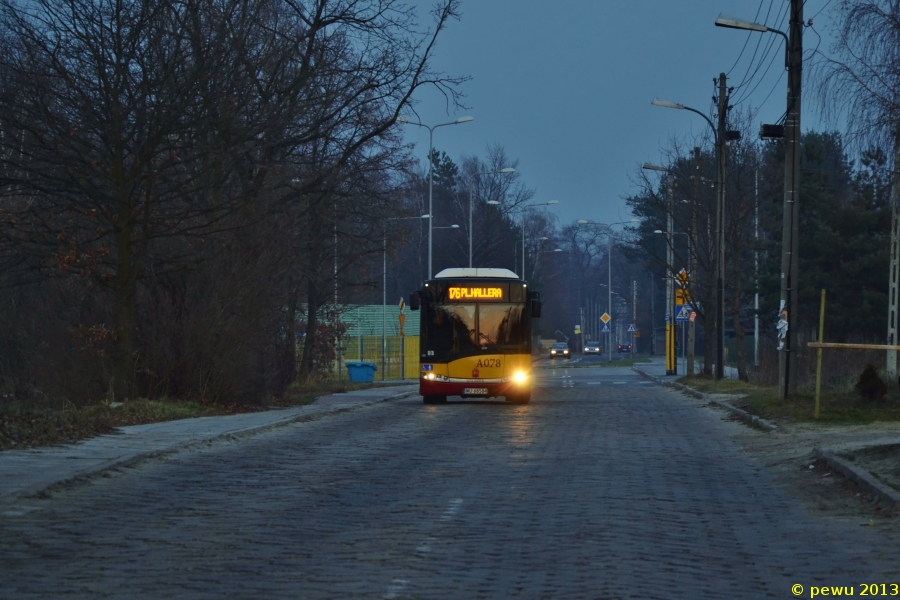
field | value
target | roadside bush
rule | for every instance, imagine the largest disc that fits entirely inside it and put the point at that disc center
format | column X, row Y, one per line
column 870, row 385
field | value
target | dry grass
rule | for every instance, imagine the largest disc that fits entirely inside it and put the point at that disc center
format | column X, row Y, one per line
column 838, row 405
column 27, row 425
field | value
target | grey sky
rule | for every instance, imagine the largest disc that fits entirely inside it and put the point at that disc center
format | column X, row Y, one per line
column 566, row 86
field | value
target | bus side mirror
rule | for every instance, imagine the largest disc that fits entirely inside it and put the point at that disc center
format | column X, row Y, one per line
column 414, row 301
column 535, row 298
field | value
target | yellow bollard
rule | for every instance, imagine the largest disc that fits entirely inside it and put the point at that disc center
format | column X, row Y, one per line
column 819, row 354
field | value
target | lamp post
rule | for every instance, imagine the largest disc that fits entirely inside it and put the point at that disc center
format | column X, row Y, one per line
column 719, row 137
column 671, row 303
column 384, row 284
column 475, row 177
column 608, row 268
column 790, row 232
column 431, row 168
column 671, row 358
column 524, row 208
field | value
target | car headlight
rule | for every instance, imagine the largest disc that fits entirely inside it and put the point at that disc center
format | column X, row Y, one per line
column 553, row 352
column 520, row 377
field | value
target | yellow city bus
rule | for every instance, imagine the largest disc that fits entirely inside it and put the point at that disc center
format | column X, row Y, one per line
column 475, row 335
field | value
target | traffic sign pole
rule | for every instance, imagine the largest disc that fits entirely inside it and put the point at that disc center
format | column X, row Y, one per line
column 606, row 329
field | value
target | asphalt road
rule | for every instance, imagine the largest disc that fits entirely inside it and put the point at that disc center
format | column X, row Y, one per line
column 605, row 486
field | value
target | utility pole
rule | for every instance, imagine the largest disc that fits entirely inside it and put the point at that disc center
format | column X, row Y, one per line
column 633, row 311
column 671, row 358
column 789, row 308
column 652, row 319
column 756, row 267
column 894, row 269
column 694, row 204
column 720, row 230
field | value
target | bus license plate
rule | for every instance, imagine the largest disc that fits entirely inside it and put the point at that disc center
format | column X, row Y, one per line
column 475, row 391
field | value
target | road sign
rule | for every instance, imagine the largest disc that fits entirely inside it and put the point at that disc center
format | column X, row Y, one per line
column 683, row 315
column 682, row 297
column 683, row 278
column 667, row 317
column 577, row 329
column 693, row 316
column 605, row 328
column 606, row 318
column 632, row 328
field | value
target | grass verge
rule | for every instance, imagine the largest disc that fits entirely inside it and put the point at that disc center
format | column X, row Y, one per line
column 26, row 425
column 837, row 407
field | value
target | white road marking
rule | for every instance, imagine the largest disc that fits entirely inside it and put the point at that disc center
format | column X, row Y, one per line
column 451, row 510
column 395, row 588
column 619, row 382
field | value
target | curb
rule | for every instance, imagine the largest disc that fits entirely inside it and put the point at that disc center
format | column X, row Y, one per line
column 880, row 491
column 43, row 490
column 738, row 412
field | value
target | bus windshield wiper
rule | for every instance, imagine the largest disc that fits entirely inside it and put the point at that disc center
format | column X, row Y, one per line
column 497, row 348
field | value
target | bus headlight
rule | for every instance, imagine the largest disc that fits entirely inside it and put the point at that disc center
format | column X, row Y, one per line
column 429, row 376
column 520, row 377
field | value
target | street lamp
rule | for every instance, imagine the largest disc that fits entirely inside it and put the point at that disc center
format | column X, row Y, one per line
column 384, row 283
column 492, row 202
column 524, row 208
column 719, row 138
column 671, row 303
column 790, row 232
column 431, row 169
column 671, row 359
column 735, row 23
column 608, row 269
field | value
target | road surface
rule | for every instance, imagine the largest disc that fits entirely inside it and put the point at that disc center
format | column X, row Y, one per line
column 605, row 486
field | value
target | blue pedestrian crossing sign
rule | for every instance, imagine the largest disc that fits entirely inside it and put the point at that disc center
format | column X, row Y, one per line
column 632, row 328
column 683, row 315
column 605, row 328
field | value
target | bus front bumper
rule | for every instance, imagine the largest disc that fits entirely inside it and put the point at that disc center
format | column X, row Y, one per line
column 473, row 388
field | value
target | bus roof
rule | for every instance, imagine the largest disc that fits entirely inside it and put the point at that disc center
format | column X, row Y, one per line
column 476, row 272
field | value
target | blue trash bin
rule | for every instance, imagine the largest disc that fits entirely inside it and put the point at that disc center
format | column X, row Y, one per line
column 361, row 372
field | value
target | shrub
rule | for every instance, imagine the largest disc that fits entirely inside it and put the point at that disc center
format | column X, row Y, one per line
column 870, row 385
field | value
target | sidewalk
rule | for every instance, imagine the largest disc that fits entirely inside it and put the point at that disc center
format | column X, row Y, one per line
column 657, row 367
column 28, row 472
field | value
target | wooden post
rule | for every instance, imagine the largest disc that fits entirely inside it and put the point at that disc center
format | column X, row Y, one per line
column 819, row 354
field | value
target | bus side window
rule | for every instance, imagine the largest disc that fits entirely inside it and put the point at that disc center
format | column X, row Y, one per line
column 414, row 301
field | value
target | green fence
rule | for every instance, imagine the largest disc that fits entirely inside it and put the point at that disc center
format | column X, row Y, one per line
column 401, row 354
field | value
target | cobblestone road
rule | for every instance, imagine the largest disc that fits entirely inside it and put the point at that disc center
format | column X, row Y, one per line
column 602, row 487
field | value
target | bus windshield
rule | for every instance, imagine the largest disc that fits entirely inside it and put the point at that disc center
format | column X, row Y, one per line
column 464, row 329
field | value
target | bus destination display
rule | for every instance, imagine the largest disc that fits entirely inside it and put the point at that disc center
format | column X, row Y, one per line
column 495, row 293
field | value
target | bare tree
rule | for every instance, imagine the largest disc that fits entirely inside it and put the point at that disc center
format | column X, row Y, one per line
column 862, row 84
column 132, row 132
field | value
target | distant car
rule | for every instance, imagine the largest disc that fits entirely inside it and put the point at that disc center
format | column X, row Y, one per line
column 624, row 348
column 592, row 348
column 560, row 349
